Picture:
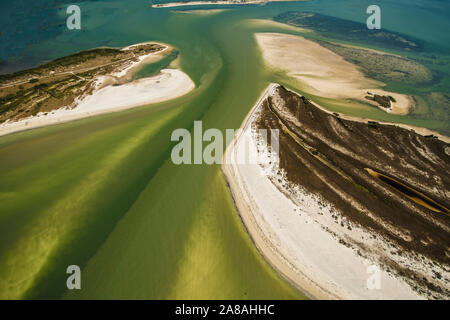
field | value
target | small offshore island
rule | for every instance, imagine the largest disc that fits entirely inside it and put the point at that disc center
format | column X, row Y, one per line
column 87, row 83
column 219, row 2
column 346, row 195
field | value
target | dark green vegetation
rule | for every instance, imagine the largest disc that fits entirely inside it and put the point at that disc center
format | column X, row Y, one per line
column 350, row 31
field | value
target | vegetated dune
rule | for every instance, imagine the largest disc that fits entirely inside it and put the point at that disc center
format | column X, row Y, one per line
column 90, row 83
column 324, row 73
column 324, row 219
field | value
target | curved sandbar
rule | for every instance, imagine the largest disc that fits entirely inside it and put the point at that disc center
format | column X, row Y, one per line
column 114, row 93
column 324, row 73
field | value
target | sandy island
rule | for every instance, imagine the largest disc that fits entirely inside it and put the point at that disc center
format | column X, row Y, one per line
column 289, row 234
column 322, row 72
column 114, row 93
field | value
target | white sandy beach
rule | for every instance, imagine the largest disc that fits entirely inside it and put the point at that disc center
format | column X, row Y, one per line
column 293, row 232
column 111, row 97
column 167, row 85
column 322, row 72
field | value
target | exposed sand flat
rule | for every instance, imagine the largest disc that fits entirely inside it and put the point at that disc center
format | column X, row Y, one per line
column 323, row 72
column 290, row 232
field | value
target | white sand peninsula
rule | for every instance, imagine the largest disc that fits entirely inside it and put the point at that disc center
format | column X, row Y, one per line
column 111, row 95
column 322, row 72
column 292, row 235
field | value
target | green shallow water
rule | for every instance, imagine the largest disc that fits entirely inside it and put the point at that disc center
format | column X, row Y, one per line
column 100, row 192
column 103, row 194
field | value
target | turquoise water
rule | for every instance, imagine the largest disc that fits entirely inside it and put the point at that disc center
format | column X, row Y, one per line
column 102, row 192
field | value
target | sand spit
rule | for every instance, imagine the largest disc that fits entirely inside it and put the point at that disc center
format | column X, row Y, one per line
column 204, row 12
column 114, row 93
column 296, row 231
column 323, row 72
column 200, row 3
